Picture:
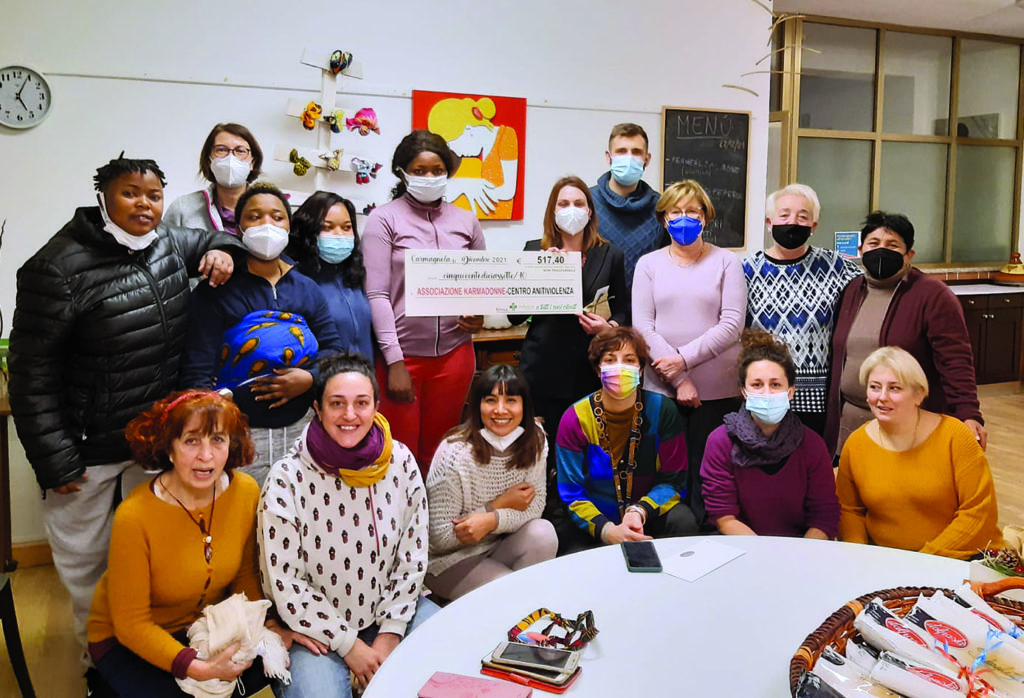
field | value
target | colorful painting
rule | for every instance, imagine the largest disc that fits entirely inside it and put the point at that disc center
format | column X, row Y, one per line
column 489, row 133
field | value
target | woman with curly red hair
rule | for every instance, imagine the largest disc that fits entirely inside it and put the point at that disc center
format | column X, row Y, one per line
column 183, row 541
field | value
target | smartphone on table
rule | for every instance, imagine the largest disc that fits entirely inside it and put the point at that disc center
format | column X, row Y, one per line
column 551, row 661
column 641, row 556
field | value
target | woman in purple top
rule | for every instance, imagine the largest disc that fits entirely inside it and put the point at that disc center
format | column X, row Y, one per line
column 425, row 363
column 689, row 303
column 765, row 473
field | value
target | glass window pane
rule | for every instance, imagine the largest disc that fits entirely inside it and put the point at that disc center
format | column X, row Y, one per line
column 914, row 183
column 776, row 64
column 840, row 171
column 837, row 84
column 988, row 89
column 983, row 205
column 916, row 97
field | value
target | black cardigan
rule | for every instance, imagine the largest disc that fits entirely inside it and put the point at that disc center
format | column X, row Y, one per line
column 554, row 354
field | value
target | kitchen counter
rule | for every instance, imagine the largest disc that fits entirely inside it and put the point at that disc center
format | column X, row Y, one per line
column 984, row 289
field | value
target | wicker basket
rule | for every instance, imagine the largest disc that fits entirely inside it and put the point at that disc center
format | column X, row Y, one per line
column 838, row 628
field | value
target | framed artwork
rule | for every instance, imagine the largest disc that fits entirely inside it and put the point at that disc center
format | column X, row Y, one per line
column 489, row 134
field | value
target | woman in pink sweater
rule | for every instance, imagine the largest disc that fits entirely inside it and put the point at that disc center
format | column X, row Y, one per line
column 425, row 364
column 689, row 302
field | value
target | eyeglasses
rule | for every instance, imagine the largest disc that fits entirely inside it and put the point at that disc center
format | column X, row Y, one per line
column 222, row 151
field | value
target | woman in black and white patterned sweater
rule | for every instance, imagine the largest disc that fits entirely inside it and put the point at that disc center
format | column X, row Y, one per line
column 486, row 488
column 343, row 536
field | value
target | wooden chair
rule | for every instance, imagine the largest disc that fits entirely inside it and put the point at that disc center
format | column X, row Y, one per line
column 13, row 638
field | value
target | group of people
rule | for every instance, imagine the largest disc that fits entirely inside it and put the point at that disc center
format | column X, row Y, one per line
column 291, row 395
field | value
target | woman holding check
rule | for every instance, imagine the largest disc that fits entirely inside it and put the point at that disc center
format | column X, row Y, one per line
column 554, row 354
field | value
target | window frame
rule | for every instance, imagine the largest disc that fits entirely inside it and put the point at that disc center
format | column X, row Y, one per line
column 791, row 51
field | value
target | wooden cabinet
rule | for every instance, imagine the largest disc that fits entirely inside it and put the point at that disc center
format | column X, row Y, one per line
column 498, row 347
column 995, row 323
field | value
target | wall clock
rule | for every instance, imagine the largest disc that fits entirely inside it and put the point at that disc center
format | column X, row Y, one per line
column 25, row 97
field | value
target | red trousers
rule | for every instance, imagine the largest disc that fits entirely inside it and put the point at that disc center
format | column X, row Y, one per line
column 441, row 384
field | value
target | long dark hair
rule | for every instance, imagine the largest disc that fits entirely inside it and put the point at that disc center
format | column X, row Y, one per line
column 419, row 141
column 529, row 447
column 305, row 229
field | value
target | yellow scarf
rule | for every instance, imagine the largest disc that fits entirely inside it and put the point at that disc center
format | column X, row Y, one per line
column 364, row 477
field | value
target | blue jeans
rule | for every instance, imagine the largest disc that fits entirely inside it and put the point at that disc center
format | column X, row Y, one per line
column 327, row 676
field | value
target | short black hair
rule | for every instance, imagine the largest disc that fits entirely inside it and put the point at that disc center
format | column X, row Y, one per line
column 421, row 140
column 305, row 231
column 896, row 222
column 330, row 366
column 261, row 188
column 122, row 165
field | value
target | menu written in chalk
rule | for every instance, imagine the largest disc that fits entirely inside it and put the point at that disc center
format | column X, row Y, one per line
column 711, row 147
column 477, row 282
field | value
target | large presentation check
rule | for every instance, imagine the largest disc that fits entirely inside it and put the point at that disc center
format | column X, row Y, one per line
column 456, row 282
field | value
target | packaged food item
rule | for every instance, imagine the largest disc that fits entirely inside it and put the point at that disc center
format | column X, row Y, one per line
column 966, row 597
column 885, row 631
column 915, row 680
column 862, row 655
column 846, row 677
column 812, row 686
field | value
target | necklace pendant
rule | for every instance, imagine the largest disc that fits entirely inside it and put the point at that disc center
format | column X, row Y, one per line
column 208, row 540
column 208, row 554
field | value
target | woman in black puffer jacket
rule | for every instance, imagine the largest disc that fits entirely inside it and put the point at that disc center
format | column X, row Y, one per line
column 98, row 331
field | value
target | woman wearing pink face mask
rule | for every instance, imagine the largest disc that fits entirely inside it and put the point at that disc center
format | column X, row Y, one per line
column 621, row 454
column 554, row 354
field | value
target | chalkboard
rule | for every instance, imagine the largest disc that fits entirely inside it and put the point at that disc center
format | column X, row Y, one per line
column 711, row 147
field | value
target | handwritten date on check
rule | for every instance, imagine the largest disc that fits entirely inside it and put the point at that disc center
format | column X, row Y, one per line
column 456, row 282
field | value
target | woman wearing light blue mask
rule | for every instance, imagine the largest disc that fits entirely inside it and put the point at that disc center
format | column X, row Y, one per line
column 765, row 473
column 689, row 303
column 324, row 243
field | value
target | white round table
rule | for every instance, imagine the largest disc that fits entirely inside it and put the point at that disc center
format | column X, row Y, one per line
column 729, row 633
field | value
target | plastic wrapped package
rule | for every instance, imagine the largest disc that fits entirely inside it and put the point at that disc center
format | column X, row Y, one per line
column 885, row 631
column 915, row 680
column 846, row 677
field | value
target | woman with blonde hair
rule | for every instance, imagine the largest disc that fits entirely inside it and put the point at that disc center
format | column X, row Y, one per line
column 911, row 478
column 554, row 354
column 689, row 303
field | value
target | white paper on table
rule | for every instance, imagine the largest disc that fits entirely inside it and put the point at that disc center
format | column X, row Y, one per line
column 699, row 559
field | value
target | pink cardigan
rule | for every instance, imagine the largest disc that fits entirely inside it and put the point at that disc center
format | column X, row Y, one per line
column 696, row 312
column 406, row 224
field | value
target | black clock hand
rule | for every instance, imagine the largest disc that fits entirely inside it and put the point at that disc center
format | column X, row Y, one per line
column 18, row 93
column 18, row 97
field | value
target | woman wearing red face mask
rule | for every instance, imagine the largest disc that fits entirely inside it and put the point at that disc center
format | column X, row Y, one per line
column 897, row 305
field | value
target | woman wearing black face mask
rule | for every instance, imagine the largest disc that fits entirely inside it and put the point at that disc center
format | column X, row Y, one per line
column 897, row 305
column 793, row 290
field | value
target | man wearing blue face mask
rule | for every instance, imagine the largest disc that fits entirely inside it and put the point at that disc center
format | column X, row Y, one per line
column 623, row 202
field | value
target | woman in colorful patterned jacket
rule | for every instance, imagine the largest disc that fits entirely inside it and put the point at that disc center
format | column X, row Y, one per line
column 622, row 454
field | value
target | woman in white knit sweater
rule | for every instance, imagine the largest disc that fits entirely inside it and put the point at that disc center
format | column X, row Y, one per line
column 486, row 489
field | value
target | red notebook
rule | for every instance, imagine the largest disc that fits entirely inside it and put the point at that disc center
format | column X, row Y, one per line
column 442, row 685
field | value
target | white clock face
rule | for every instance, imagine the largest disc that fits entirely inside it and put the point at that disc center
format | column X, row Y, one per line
column 24, row 97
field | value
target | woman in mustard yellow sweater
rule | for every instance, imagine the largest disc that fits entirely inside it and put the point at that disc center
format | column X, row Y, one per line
column 182, row 541
column 910, row 478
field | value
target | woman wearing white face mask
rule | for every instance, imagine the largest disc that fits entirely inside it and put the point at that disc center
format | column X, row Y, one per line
column 260, row 334
column 486, row 489
column 554, row 354
column 425, row 364
column 765, row 473
column 230, row 159
column 621, row 454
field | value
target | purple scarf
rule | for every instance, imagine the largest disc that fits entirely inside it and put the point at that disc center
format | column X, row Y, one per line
column 332, row 458
column 751, row 448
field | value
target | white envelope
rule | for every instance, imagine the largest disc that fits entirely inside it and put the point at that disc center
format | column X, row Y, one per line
column 699, row 559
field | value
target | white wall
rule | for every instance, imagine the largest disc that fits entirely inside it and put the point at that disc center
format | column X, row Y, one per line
column 152, row 78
